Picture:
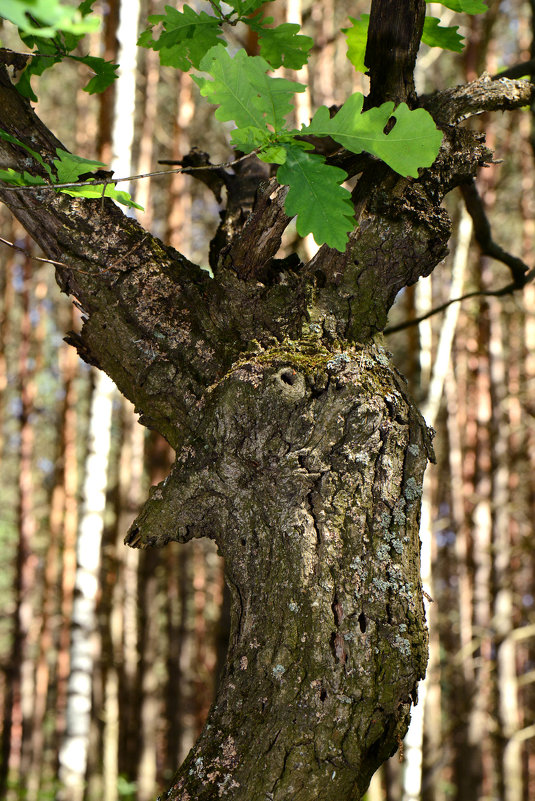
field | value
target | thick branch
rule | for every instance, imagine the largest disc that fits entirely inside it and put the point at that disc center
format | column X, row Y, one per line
column 451, row 106
column 155, row 322
column 394, row 35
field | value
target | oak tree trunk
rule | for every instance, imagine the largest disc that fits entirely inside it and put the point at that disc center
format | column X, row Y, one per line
column 298, row 448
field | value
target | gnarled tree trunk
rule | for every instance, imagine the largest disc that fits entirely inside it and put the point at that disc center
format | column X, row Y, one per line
column 298, row 449
column 306, row 468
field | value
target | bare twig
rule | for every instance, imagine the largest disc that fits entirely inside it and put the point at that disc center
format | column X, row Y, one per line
column 30, row 255
column 483, row 234
column 108, row 180
column 6, row 55
column 508, row 289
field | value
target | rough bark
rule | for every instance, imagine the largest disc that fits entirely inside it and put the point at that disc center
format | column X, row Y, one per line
column 298, row 451
column 312, row 492
column 394, row 34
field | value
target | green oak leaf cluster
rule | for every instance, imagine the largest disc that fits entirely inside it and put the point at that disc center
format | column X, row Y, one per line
column 259, row 104
column 316, row 197
column 186, row 36
column 244, row 92
column 52, row 31
column 247, row 96
column 412, row 142
column 45, row 18
column 68, row 169
column 434, row 34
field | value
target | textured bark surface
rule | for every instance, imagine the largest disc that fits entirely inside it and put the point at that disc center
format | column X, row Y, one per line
column 298, row 449
column 394, row 34
column 307, row 470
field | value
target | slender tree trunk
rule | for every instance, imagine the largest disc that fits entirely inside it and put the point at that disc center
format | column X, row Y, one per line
column 178, row 221
column 509, row 764
column 7, row 295
column 46, row 660
column 414, row 741
column 181, row 703
column 16, row 724
column 123, row 595
column 74, row 749
column 70, row 527
column 148, row 693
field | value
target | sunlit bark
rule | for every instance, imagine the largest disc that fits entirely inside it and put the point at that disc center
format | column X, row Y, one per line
column 299, row 451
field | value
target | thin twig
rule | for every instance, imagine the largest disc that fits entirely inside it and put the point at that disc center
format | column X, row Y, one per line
column 216, row 9
column 114, row 181
column 4, row 51
column 483, row 234
column 505, row 290
column 520, row 271
column 31, row 256
column 67, row 266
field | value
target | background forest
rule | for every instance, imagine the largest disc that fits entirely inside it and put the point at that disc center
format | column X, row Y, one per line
column 109, row 656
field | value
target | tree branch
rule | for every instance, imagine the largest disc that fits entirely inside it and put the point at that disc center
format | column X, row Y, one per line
column 483, row 234
column 520, row 70
column 451, row 106
column 153, row 305
column 394, row 34
column 508, row 289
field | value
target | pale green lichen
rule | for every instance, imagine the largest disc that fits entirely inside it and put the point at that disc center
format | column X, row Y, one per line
column 403, row 645
column 382, row 552
column 385, row 520
column 381, row 584
column 399, row 517
column 338, row 362
column 361, row 457
column 411, row 490
column 382, row 356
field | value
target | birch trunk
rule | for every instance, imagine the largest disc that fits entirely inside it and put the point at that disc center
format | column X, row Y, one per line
column 74, row 748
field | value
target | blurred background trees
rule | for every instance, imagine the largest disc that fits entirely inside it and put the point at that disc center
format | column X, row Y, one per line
column 109, row 656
